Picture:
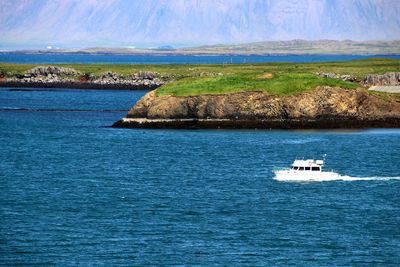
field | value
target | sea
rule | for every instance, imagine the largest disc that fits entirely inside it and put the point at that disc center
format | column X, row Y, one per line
column 31, row 58
column 76, row 192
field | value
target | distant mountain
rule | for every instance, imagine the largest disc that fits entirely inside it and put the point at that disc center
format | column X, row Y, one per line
column 117, row 23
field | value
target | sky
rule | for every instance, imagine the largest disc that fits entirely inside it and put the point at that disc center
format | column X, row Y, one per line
column 151, row 23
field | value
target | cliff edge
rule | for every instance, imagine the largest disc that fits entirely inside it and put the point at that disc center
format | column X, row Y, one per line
column 324, row 107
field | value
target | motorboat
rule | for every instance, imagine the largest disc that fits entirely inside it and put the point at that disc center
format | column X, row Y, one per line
column 305, row 170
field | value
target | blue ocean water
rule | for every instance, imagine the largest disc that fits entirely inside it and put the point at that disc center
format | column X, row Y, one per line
column 172, row 59
column 75, row 192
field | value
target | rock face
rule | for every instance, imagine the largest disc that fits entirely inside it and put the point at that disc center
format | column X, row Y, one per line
column 324, row 102
column 387, row 79
column 325, row 105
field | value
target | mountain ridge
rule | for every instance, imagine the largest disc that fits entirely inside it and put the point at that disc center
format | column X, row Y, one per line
column 116, row 23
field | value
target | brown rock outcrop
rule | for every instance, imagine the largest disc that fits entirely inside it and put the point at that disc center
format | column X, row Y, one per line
column 325, row 107
column 322, row 103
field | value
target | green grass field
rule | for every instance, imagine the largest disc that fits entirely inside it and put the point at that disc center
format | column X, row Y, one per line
column 273, row 78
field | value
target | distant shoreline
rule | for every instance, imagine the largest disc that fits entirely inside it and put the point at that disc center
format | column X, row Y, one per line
column 81, row 53
column 271, row 48
column 24, row 58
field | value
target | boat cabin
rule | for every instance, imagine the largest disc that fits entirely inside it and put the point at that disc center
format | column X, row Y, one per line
column 307, row 165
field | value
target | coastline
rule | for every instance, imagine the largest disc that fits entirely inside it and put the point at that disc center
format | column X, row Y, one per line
column 289, row 47
column 64, row 77
column 340, row 123
column 204, row 53
column 322, row 108
column 78, row 85
column 265, row 96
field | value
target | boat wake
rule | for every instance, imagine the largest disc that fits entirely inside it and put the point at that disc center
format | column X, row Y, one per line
column 341, row 178
column 372, row 178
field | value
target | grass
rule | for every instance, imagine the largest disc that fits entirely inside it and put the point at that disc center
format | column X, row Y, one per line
column 282, row 83
column 287, row 78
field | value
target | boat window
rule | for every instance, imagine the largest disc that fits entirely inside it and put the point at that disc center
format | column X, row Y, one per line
column 315, row 168
column 308, row 168
column 296, row 168
column 301, row 168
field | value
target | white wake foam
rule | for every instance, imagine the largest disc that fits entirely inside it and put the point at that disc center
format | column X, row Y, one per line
column 372, row 178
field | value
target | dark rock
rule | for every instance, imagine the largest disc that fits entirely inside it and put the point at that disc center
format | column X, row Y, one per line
column 109, row 75
column 145, row 75
column 322, row 123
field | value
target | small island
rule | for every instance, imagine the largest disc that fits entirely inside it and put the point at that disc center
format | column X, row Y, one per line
column 276, row 96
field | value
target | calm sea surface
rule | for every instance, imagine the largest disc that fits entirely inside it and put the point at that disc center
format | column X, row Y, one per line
column 74, row 192
column 173, row 59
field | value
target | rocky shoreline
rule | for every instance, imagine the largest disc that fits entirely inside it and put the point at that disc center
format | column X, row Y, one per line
column 338, row 123
column 79, row 85
column 323, row 108
column 60, row 77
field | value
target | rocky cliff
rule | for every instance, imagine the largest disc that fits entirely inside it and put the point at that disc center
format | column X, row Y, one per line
column 325, row 107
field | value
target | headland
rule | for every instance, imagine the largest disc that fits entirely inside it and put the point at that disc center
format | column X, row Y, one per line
column 257, row 95
column 283, row 96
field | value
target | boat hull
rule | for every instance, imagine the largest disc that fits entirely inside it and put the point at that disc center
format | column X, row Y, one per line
column 305, row 176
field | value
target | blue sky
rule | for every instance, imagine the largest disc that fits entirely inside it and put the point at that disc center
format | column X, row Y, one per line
column 146, row 23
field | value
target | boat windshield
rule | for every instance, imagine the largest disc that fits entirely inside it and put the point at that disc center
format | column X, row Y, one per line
column 313, row 168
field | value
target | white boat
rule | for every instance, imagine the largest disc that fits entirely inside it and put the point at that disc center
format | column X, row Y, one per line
column 305, row 170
